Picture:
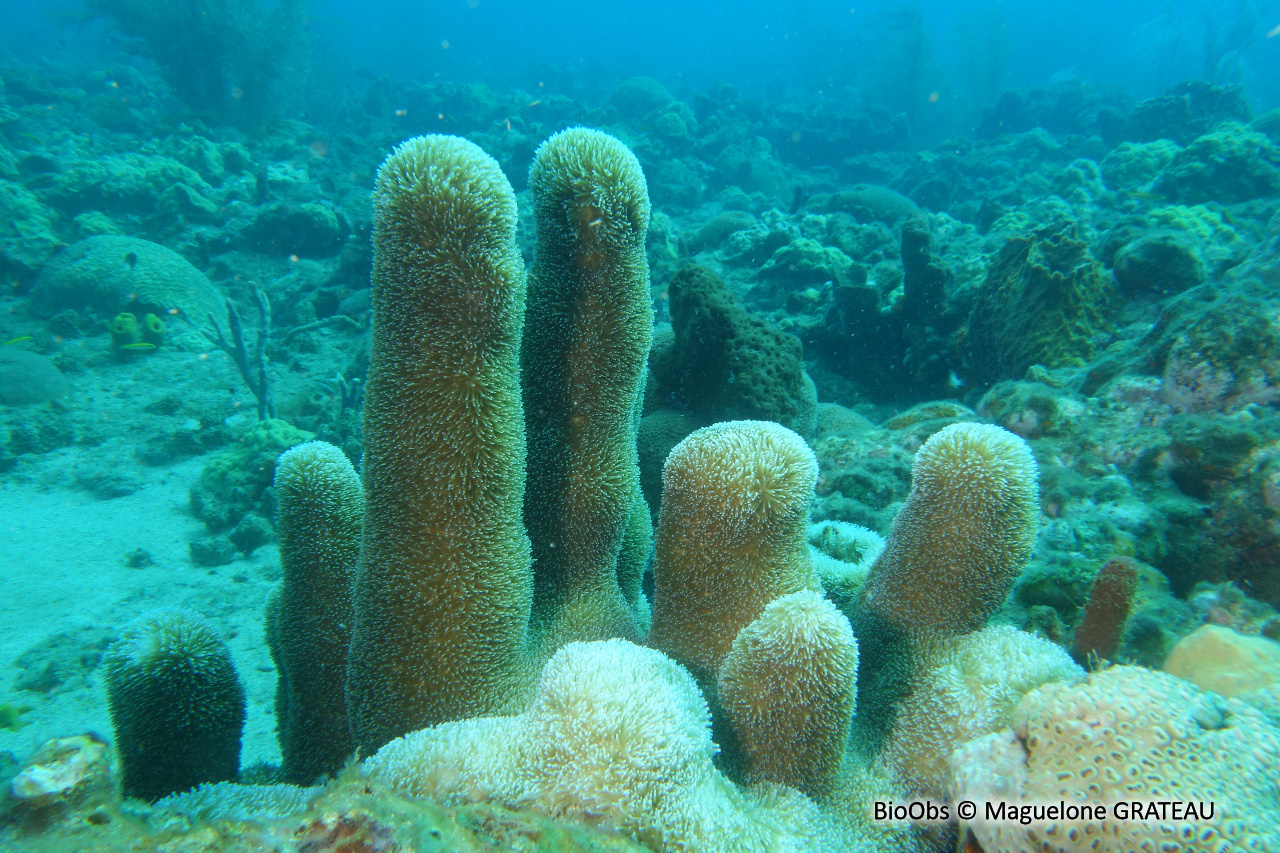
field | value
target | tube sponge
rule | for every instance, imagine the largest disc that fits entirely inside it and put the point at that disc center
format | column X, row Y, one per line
column 963, row 536
column 731, row 536
column 320, row 509
column 443, row 591
column 586, row 342
column 789, row 688
column 176, row 705
column 1098, row 635
column 617, row 735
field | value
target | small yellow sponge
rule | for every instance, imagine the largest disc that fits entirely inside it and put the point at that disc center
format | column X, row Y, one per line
column 731, row 536
column 789, row 689
column 963, row 535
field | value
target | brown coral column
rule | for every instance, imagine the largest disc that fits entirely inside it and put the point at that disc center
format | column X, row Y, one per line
column 586, row 343
column 443, row 590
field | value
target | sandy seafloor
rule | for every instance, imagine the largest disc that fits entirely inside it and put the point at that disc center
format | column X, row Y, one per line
column 70, row 590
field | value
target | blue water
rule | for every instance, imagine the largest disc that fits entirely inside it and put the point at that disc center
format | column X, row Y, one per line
column 974, row 48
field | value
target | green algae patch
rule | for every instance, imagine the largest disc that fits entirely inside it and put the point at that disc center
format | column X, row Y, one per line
column 234, row 481
column 11, row 716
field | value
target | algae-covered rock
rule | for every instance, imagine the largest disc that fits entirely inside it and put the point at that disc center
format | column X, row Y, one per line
column 752, row 167
column 805, row 263
column 1131, row 165
column 1161, row 263
column 726, row 364
column 311, row 230
column 27, row 378
column 1220, row 355
column 862, row 338
column 108, row 273
column 1230, row 165
column 27, row 239
column 869, row 203
column 1030, row 409
column 203, row 155
column 40, row 431
column 352, row 814
column 66, row 775
column 718, row 228
column 1214, row 239
column 234, row 481
column 1043, row 302
column 1187, row 111
column 1269, row 124
column 138, row 184
column 637, row 97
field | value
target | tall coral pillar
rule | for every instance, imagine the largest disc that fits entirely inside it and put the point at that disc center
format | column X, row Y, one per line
column 309, row 627
column 956, row 549
column 586, row 343
column 443, row 591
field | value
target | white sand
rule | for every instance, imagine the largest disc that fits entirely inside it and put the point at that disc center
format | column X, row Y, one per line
column 63, row 553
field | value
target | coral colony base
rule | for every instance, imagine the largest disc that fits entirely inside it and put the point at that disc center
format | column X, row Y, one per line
column 595, row 583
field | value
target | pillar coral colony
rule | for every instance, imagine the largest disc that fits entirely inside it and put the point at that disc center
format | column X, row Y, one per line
column 1028, row 813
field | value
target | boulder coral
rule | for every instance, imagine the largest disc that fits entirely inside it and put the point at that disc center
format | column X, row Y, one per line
column 108, row 274
column 1127, row 734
